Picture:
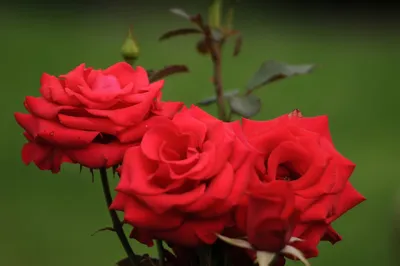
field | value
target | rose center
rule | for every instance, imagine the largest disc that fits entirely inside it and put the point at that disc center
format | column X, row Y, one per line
column 286, row 172
column 106, row 84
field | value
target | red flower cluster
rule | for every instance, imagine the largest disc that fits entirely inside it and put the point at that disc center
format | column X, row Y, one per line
column 90, row 116
column 186, row 177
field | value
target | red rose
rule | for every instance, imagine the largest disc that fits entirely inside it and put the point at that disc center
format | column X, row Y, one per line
column 181, row 183
column 271, row 216
column 90, row 116
column 300, row 151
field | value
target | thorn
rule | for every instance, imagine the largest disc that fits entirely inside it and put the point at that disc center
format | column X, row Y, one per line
column 114, row 169
column 91, row 171
column 104, row 229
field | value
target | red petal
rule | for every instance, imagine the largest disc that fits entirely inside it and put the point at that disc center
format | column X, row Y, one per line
column 137, row 214
column 103, row 125
column 97, row 155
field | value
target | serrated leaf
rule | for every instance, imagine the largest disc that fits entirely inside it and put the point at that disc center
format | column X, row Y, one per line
column 246, row 106
column 238, row 45
column 179, row 32
column 212, row 99
column 104, row 229
column 168, row 71
column 271, row 71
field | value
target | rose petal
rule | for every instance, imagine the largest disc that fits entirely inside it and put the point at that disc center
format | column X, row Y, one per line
column 103, row 125
column 137, row 214
column 218, row 190
column 54, row 133
column 53, row 91
column 44, row 157
column 168, row 109
column 97, row 155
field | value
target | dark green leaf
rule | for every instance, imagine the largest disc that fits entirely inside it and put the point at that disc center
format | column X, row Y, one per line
column 271, row 71
column 104, row 229
column 213, row 99
column 167, row 71
column 238, row 45
column 246, row 106
column 179, row 32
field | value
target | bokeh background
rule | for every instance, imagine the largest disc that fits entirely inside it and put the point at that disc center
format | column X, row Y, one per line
column 47, row 219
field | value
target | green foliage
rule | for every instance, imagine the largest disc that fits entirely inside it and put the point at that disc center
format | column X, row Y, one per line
column 246, row 106
column 271, row 71
column 212, row 99
column 179, row 32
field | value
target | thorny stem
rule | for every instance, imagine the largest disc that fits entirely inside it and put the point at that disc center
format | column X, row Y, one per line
column 117, row 225
column 215, row 50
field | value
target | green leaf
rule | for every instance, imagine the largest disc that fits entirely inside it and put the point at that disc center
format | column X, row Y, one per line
column 271, row 71
column 168, row 71
column 179, row 32
column 212, row 99
column 246, row 106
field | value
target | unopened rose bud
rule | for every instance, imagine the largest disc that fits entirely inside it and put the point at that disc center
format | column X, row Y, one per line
column 130, row 50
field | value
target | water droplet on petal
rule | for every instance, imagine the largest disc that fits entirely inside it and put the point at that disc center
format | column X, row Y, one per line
column 52, row 133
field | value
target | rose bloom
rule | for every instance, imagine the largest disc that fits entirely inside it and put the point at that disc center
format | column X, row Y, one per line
column 90, row 116
column 181, row 183
column 300, row 151
column 268, row 221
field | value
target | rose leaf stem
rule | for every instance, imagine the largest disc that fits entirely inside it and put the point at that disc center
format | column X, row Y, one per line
column 160, row 250
column 215, row 50
column 117, row 225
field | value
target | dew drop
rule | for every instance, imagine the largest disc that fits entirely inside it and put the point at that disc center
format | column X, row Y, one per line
column 52, row 133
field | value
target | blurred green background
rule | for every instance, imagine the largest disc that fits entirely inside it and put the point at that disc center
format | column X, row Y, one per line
column 48, row 219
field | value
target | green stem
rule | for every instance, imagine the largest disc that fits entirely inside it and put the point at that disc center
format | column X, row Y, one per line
column 117, row 225
column 160, row 250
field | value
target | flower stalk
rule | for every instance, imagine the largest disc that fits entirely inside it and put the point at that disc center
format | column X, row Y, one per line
column 117, row 225
column 215, row 50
